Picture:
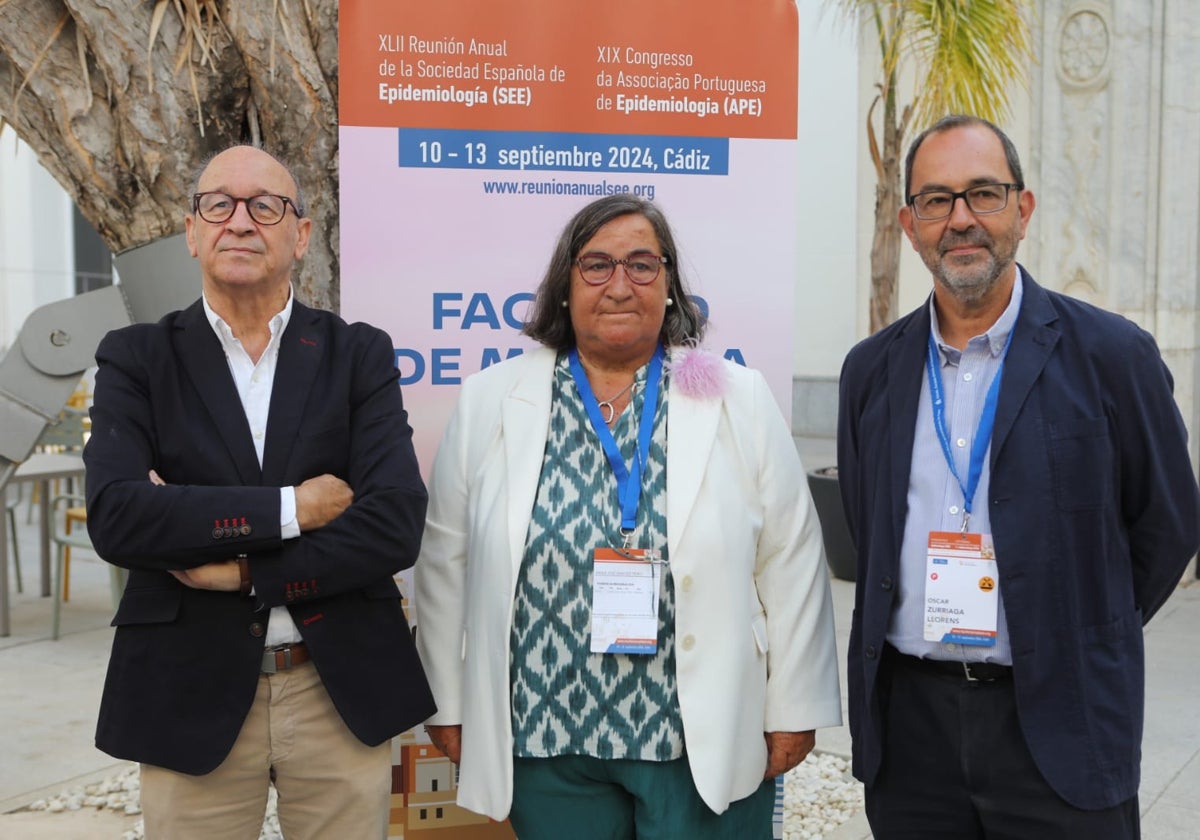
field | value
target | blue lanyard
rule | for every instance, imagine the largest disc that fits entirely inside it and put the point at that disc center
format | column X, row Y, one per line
column 629, row 481
column 983, row 435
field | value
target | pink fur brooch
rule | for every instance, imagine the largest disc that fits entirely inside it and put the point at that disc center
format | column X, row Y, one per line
column 697, row 373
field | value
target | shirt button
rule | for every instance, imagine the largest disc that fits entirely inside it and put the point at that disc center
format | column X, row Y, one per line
column 967, row 377
column 686, row 583
column 961, row 442
column 257, row 629
column 689, row 642
column 870, row 652
column 953, row 510
column 886, row 584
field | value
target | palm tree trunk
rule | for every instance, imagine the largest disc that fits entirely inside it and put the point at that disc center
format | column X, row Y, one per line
column 885, row 246
column 117, row 121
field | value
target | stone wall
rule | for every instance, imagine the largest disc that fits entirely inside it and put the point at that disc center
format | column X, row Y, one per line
column 1115, row 165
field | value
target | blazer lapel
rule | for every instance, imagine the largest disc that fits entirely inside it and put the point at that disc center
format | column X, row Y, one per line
column 301, row 348
column 1032, row 343
column 691, row 433
column 905, row 372
column 200, row 351
column 524, row 428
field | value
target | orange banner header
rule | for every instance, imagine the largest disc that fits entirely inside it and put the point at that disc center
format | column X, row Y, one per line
column 621, row 67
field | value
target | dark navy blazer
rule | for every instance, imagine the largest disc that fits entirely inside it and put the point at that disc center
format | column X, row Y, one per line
column 1095, row 514
column 185, row 662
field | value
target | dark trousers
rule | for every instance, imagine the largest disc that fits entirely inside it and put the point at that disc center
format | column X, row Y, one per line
column 584, row 798
column 956, row 766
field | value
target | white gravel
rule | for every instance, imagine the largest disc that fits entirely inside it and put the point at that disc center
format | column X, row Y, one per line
column 818, row 796
column 121, row 793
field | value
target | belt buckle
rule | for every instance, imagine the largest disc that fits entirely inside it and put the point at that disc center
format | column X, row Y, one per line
column 270, row 663
column 967, row 673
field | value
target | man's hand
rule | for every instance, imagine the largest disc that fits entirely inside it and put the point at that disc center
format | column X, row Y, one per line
column 321, row 500
column 221, row 576
column 448, row 739
column 787, row 749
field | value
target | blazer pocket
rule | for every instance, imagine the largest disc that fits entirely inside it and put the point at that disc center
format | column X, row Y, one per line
column 148, row 606
column 1112, row 676
column 1081, row 462
column 341, row 430
column 323, row 451
column 758, row 626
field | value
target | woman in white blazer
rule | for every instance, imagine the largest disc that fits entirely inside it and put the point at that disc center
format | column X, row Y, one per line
column 623, row 607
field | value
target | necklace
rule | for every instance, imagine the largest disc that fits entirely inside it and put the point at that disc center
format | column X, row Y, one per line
column 607, row 405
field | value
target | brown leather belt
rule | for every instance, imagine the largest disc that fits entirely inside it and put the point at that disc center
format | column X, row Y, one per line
column 966, row 671
column 284, row 657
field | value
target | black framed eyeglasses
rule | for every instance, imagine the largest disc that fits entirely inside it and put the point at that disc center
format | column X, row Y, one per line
column 642, row 269
column 981, row 200
column 266, row 209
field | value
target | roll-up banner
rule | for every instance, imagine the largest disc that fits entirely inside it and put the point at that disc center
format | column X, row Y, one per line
column 471, row 131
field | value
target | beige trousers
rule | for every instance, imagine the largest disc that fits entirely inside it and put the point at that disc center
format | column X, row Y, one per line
column 329, row 783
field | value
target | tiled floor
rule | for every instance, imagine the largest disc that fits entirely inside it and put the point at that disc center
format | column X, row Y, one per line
column 49, row 692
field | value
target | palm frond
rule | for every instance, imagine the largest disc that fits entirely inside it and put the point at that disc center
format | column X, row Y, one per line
column 968, row 54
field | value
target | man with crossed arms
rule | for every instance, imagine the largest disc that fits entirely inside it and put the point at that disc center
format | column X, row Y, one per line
column 251, row 464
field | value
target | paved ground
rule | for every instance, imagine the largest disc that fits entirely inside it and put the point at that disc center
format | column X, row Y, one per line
column 49, row 692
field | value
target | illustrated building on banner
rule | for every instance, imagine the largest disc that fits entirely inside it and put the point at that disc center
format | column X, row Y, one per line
column 425, row 782
column 424, row 786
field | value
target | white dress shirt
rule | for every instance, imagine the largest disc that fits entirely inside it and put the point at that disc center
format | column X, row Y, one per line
column 255, row 381
column 935, row 498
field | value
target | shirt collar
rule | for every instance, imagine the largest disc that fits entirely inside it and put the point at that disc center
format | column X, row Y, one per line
column 997, row 334
column 277, row 324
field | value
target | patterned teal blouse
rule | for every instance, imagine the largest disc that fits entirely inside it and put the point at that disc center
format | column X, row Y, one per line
column 567, row 700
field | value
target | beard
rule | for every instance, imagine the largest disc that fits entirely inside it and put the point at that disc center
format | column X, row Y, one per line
column 969, row 279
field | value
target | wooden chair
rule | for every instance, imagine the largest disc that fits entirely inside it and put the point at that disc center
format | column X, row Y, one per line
column 76, row 514
column 81, row 397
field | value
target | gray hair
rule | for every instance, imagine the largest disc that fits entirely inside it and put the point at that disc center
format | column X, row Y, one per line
column 963, row 121
column 550, row 323
column 198, row 172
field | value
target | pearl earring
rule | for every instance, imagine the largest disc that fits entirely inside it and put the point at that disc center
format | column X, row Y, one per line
column 564, row 304
column 670, row 302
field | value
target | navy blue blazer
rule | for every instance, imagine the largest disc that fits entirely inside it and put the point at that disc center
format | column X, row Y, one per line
column 185, row 662
column 1095, row 514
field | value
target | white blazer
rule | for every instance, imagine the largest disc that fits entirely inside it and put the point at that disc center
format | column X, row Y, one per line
column 754, row 638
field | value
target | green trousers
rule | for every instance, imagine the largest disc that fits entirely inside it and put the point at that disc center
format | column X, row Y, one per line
column 585, row 798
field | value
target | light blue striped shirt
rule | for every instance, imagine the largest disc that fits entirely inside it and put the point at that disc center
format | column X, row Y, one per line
column 935, row 498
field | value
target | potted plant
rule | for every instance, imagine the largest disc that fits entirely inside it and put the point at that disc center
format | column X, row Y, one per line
column 827, row 497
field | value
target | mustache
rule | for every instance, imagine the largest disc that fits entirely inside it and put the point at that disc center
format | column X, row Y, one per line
column 972, row 238
column 238, row 245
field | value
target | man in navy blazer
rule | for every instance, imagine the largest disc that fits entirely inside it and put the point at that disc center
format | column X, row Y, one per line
column 1019, row 715
column 251, row 465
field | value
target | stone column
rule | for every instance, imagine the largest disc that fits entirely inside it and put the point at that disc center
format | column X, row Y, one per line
column 1115, row 165
column 1178, row 216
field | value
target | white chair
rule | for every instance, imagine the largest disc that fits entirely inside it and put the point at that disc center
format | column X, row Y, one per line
column 77, row 538
column 12, row 498
column 65, row 434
